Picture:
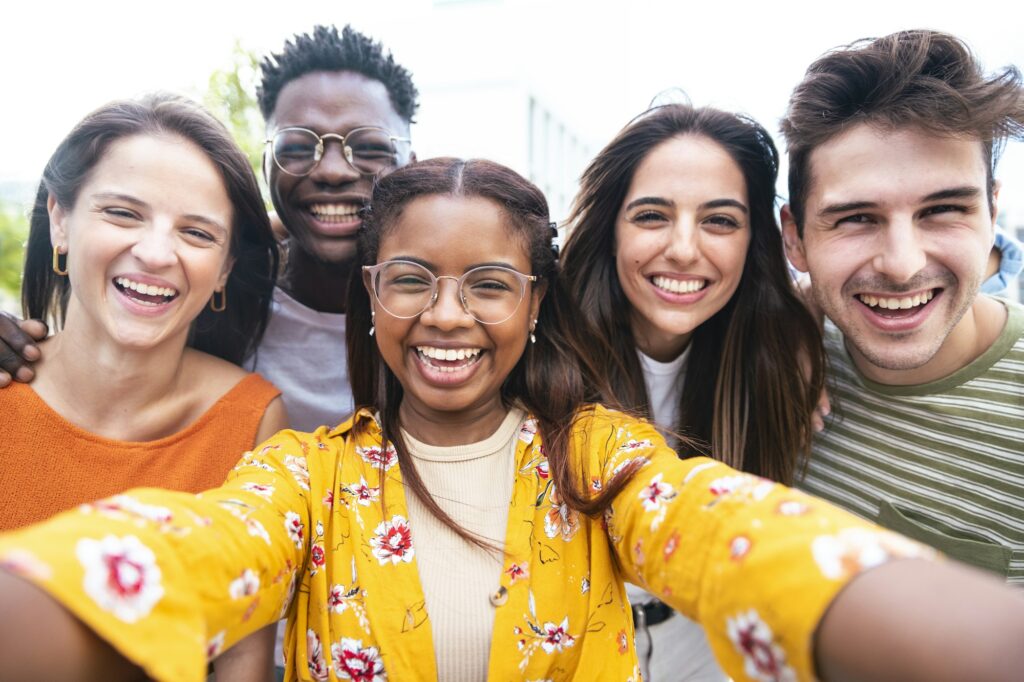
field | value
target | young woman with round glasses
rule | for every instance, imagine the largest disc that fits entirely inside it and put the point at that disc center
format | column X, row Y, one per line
column 476, row 517
column 676, row 258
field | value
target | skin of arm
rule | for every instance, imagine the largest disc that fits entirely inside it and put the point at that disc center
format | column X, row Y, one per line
column 18, row 349
column 27, row 645
column 915, row 620
column 252, row 659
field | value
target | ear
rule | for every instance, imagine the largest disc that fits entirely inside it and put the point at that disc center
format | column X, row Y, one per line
column 996, row 186
column 540, row 288
column 225, row 272
column 58, row 223
column 791, row 238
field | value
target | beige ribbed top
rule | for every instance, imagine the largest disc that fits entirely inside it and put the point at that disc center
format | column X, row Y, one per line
column 473, row 484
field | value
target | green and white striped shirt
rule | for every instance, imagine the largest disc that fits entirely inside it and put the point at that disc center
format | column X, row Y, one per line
column 941, row 462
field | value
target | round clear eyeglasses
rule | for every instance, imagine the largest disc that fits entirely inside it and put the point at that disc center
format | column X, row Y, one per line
column 297, row 151
column 490, row 293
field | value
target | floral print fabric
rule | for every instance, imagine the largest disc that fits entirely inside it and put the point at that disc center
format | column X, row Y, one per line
column 314, row 526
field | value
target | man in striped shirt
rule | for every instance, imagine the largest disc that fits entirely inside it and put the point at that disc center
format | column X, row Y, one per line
column 892, row 213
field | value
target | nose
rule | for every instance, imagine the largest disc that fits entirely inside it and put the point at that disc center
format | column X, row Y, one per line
column 334, row 167
column 155, row 248
column 447, row 312
column 683, row 241
column 902, row 252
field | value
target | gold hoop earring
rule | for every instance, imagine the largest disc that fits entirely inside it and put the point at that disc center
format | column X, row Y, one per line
column 56, row 262
column 219, row 307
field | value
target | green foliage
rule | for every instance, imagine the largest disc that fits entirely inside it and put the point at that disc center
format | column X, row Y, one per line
column 231, row 96
column 13, row 233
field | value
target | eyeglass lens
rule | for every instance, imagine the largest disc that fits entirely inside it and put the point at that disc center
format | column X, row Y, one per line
column 369, row 150
column 490, row 294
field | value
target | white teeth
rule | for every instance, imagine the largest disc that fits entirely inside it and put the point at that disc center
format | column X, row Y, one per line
column 148, row 289
column 448, row 354
column 897, row 303
column 679, row 286
column 330, row 210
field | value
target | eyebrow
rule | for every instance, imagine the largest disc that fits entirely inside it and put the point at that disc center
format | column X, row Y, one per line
column 714, row 203
column 964, row 192
column 191, row 217
column 433, row 268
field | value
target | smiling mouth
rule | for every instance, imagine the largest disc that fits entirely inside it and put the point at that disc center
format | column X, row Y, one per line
column 678, row 286
column 145, row 294
column 448, row 360
column 335, row 213
column 897, row 306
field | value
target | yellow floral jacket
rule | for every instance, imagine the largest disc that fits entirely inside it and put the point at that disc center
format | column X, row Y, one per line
column 313, row 527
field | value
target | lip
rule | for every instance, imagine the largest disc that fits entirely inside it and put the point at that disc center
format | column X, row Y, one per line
column 441, row 379
column 902, row 324
column 678, row 298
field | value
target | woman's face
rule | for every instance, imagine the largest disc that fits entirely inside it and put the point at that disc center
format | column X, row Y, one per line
column 681, row 239
column 449, row 236
column 147, row 241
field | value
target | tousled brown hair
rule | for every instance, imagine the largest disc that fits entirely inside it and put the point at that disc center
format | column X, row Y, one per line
column 924, row 79
column 551, row 380
column 745, row 392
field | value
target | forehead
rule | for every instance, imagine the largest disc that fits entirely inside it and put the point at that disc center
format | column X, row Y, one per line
column 454, row 234
column 688, row 166
column 891, row 167
column 160, row 167
column 335, row 101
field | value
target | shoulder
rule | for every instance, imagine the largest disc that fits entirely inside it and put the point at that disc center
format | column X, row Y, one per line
column 607, row 438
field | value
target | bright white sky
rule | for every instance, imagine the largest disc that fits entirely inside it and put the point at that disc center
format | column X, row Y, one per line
column 597, row 64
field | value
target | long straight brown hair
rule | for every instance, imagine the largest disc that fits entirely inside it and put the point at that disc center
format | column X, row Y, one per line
column 552, row 379
column 746, row 392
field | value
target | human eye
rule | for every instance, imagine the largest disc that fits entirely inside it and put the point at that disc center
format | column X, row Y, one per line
column 855, row 220
column 648, row 217
column 722, row 221
column 943, row 209
column 199, row 236
column 491, row 282
column 120, row 214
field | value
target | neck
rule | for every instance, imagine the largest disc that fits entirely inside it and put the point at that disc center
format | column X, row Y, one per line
column 974, row 334
column 659, row 345
column 315, row 284
column 104, row 387
column 435, row 427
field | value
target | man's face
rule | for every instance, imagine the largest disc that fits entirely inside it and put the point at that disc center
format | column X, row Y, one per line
column 319, row 210
column 896, row 237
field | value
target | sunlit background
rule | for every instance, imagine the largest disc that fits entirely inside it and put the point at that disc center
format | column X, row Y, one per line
column 539, row 86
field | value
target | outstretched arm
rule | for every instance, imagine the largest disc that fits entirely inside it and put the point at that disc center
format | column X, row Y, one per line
column 916, row 620
column 52, row 644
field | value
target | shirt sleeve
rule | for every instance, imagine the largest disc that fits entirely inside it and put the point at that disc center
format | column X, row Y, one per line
column 1011, row 260
column 755, row 562
column 171, row 579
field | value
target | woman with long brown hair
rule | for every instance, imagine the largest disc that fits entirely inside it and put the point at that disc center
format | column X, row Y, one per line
column 675, row 258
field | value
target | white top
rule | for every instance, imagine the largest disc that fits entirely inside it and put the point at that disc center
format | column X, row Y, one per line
column 664, row 381
column 303, row 354
column 472, row 484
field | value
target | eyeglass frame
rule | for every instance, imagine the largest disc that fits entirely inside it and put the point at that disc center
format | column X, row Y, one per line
column 373, row 270
column 321, row 147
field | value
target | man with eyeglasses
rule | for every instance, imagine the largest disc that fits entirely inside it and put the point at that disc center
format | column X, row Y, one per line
column 338, row 110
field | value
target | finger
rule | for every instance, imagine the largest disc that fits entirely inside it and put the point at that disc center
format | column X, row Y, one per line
column 5, row 379
column 824, row 404
column 817, row 423
column 12, row 343
column 37, row 329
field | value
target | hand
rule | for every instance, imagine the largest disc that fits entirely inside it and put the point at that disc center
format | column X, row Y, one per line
column 18, row 347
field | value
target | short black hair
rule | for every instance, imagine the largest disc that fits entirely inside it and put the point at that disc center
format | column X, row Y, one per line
column 327, row 50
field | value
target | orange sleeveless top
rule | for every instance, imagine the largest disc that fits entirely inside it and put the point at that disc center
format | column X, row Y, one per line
column 48, row 465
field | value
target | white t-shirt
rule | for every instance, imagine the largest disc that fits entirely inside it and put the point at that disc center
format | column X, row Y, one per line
column 303, row 354
column 664, row 381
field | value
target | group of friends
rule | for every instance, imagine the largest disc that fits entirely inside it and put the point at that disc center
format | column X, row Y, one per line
column 507, row 459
